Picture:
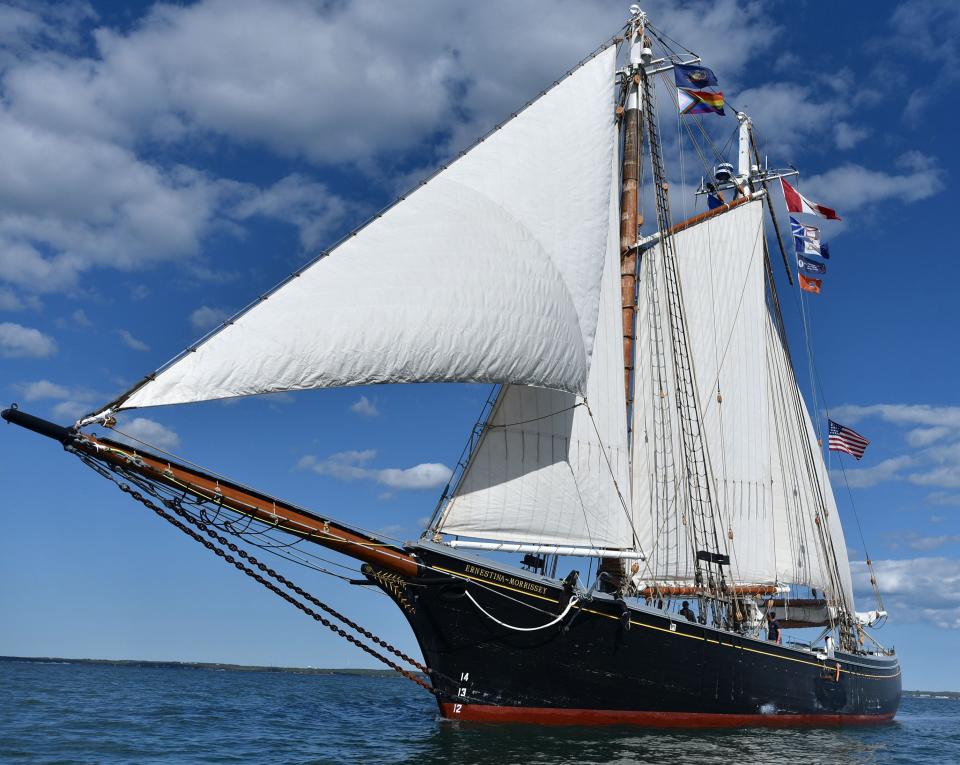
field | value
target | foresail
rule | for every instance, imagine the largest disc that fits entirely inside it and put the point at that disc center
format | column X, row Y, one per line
column 722, row 274
column 488, row 272
column 552, row 467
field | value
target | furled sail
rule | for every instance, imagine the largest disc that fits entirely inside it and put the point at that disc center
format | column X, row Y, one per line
column 552, row 467
column 722, row 275
column 490, row 271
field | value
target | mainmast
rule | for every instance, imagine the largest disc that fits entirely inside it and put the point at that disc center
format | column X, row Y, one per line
column 630, row 218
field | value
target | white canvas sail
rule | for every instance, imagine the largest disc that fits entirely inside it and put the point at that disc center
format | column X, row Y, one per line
column 488, row 272
column 548, row 470
column 800, row 487
column 722, row 275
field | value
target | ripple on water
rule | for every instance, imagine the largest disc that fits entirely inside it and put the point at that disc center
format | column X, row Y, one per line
column 102, row 714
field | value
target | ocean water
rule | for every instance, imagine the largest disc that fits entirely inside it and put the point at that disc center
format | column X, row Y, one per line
column 75, row 713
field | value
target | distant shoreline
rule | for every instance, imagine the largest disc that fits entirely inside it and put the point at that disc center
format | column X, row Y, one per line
column 218, row 667
column 214, row 666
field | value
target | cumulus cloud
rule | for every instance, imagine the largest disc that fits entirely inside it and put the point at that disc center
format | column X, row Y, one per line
column 149, row 431
column 17, row 341
column 902, row 414
column 853, row 187
column 365, row 407
column 131, row 342
column 847, row 136
column 353, row 465
column 915, row 589
column 43, row 389
column 306, row 204
column 206, row 318
column 944, row 499
column 887, row 470
column 933, row 431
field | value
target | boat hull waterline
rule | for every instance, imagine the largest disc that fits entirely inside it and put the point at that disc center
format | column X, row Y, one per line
column 591, row 668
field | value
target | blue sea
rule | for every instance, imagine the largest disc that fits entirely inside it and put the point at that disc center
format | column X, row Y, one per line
column 76, row 713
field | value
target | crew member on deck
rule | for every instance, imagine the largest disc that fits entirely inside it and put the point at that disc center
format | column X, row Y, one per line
column 687, row 612
column 773, row 628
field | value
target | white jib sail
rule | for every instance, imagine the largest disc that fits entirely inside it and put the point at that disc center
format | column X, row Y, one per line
column 547, row 470
column 722, row 275
column 488, row 272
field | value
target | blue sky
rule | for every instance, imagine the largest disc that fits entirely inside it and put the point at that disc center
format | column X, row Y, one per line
column 163, row 165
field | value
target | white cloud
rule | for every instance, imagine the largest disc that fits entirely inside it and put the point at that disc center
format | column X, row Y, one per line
column 925, row 436
column 887, row 470
column 352, row 465
column 9, row 300
column 944, row 499
column 365, row 407
column 206, row 318
column 70, row 409
column 427, row 475
column 851, row 187
column 149, row 431
column 43, row 389
column 85, row 120
column 80, row 319
column 847, row 136
column 902, row 414
column 17, row 341
column 131, row 342
column 916, row 589
column 306, row 204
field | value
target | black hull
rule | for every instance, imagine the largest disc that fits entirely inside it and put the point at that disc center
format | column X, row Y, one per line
column 592, row 668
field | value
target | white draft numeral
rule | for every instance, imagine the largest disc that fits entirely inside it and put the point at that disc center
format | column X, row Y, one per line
column 457, row 708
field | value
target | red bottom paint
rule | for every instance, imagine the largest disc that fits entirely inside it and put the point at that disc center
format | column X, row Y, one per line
column 551, row 716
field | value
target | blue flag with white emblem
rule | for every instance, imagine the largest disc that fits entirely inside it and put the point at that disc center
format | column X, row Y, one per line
column 811, row 266
column 693, row 76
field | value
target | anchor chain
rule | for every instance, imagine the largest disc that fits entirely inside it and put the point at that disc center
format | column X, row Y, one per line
column 240, row 566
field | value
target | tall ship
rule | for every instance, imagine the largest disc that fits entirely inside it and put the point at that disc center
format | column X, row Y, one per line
column 645, row 498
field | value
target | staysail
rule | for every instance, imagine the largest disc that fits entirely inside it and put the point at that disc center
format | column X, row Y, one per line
column 552, row 467
column 490, row 272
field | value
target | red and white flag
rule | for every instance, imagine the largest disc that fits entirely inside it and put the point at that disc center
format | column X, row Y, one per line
column 798, row 203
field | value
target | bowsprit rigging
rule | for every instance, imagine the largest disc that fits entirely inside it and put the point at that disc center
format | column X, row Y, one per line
column 646, row 419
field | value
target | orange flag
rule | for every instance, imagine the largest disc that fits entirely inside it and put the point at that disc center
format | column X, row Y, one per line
column 809, row 284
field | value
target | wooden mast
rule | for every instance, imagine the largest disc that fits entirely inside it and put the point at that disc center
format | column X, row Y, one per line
column 629, row 221
column 629, row 213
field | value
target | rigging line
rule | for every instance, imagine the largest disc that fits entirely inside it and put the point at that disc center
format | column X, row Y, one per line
column 109, row 475
column 613, row 477
column 536, row 419
column 822, row 531
column 726, row 348
column 853, row 506
column 573, row 602
column 659, row 34
column 468, row 453
column 213, row 474
column 816, row 383
column 113, row 405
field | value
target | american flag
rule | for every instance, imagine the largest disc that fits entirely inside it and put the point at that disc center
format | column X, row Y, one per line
column 843, row 439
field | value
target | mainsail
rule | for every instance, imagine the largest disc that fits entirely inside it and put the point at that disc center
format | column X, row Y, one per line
column 770, row 481
column 488, row 272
